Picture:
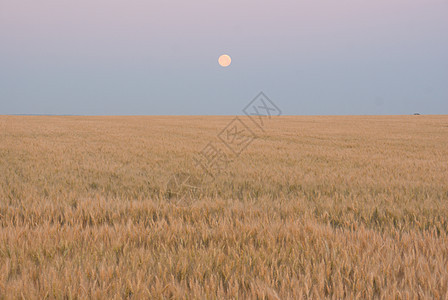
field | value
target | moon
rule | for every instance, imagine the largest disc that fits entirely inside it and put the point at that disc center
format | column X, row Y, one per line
column 224, row 60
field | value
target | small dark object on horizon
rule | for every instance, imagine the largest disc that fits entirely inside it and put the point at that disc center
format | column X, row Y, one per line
column 416, row 114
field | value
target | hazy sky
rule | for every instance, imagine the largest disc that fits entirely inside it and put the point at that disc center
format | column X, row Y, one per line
column 160, row 57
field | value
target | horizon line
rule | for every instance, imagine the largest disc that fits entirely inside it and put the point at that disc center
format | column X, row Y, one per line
column 209, row 115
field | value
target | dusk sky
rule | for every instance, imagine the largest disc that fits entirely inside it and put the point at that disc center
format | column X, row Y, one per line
column 314, row 57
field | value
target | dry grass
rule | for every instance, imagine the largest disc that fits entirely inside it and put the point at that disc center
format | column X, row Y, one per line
column 316, row 207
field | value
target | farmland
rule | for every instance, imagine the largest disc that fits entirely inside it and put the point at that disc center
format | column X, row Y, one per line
column 313, row 207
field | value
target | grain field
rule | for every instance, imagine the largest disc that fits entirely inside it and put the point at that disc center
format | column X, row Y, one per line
column 314, row 207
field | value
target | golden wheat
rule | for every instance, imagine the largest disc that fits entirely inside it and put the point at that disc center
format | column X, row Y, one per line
column 338, row 207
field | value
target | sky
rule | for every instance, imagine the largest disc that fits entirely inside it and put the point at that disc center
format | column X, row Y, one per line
column 160, row 57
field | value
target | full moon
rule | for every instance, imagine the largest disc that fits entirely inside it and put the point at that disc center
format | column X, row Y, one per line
column 224, row 60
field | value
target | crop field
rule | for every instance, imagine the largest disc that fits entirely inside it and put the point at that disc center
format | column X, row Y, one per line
column 305, row 207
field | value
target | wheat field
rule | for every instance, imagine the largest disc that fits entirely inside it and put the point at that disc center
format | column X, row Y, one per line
column 314, row 207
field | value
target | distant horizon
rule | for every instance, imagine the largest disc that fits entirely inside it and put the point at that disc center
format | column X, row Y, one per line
column 207, row 115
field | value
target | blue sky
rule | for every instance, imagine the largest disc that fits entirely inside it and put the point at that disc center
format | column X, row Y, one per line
column 314, row 57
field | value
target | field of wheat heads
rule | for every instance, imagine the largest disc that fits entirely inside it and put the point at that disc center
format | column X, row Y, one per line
column 311, row 207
